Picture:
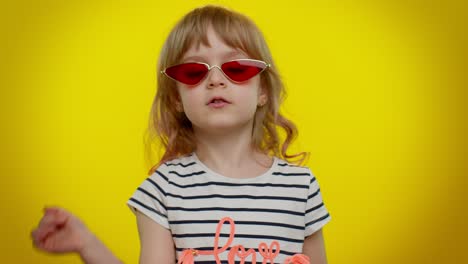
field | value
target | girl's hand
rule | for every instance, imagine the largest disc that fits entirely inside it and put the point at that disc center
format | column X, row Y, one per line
column 59, row 231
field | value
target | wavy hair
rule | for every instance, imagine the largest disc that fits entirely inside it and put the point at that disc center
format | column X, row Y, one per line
column 170, row 132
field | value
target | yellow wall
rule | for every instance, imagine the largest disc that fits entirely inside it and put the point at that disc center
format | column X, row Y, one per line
column 377, row 91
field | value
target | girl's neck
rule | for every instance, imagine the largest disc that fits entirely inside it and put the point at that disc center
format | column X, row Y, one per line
column 231, row 153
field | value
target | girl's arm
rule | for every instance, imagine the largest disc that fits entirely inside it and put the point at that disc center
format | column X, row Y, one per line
column 156, row 242
column 314, row 247
column 95, row 252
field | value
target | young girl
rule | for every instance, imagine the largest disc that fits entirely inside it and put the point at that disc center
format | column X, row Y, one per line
column 225, row 189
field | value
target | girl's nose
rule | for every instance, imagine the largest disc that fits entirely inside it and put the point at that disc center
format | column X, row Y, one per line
column 216, row 78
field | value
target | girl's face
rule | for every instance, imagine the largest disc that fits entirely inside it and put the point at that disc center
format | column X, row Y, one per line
column 216, row 105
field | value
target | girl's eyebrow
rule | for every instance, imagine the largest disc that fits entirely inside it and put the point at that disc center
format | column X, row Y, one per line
column 226, row 56
column 193, row 58
column 233, row 53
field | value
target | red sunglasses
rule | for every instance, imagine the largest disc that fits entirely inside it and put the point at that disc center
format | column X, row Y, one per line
column 192, row 73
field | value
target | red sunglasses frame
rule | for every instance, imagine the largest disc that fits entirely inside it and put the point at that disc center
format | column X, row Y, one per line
column 209, row 67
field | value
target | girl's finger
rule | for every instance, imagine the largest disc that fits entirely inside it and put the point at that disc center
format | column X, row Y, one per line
column 40, row 245
column 61, row 216
column 34, row 235
column 48, row 223
column 53, row 217
column 38, row 238
column 43, row 232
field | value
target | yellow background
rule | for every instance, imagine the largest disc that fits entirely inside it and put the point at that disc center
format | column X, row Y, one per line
column 377, row 89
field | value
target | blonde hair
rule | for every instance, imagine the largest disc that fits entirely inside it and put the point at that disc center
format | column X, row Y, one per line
column 172, row 129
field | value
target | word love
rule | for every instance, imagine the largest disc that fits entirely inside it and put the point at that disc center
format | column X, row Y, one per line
column 269, row 253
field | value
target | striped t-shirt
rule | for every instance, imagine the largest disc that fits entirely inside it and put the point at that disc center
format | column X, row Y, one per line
column 185, row 196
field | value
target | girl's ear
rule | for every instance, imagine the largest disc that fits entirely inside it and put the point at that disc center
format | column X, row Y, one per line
column 262, row 97
column 178, row 103
column 179, row 107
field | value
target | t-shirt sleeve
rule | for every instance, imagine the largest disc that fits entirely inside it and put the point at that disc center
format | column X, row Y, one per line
column 316, row 214
column 150, row 199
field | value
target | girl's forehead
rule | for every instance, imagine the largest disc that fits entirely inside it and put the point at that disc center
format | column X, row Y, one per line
column 212, row 45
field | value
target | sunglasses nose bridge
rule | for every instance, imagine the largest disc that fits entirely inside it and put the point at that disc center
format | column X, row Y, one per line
column 215, row 66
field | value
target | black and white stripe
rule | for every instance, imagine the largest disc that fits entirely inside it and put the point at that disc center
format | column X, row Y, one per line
column 187, row 197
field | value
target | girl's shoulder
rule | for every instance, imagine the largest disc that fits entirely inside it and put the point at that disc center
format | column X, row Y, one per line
column 292, row 168
column 180, row 161
column 287, row 164
column 185, row 162
column 289, row 168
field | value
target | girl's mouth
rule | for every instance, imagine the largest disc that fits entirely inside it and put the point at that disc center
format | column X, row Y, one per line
column 218, row 102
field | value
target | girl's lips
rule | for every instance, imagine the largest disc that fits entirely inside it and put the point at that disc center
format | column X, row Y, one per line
column 217, row 100
column 218, row 104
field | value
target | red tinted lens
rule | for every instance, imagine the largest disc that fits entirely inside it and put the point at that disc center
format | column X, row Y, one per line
column 188, row 73
column 242, row 70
